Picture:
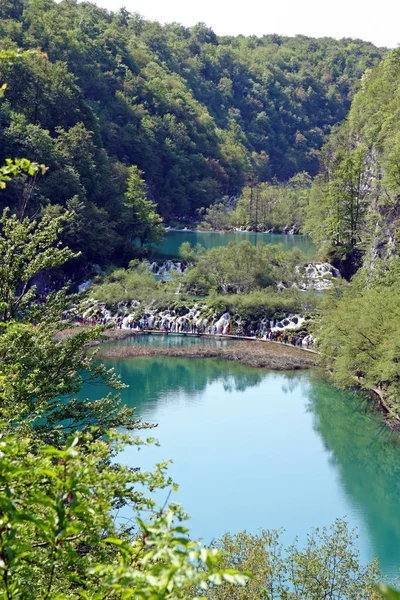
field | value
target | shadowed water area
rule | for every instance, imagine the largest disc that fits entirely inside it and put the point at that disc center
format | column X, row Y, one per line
column 253, row 448
column 174, row 239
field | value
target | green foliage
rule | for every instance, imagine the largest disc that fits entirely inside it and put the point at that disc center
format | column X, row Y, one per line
column 273, row 206
column 359, row 332
column 37, row 364
column 337, row 210
column 27, row 248
column 241, row 267
column 59, row 538
column 216, row 217
column 146, row 223
column 388, row 593
column 17, row 166
column 327, row 567
column 353, row 211
column 190, row 253
column 124, row 285
column 200, row 115
column 353, row 206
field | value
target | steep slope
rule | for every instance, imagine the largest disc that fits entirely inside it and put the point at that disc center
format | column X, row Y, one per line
column 200, row 115
column 355, row 212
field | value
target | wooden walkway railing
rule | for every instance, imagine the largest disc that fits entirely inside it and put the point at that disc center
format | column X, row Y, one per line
column 220, row 336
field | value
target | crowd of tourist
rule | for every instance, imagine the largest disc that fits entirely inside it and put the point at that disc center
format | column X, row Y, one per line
column 186, row 326
column 180, row 326
column 302, row 341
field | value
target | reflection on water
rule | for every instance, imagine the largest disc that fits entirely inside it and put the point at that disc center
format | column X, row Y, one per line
column 174, row 239
column 160, row 379
column 367, row 457
column 255, row 449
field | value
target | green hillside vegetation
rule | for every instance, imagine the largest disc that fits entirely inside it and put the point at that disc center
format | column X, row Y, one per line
column 354, row 214
column 60, row 483
column 239, row 267
column 267, row 206
column 199, row 115
column 238, row 278
column 359, row 183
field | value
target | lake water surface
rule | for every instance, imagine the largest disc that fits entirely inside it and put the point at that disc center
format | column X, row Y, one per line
column 174, row 239
column 253, row 448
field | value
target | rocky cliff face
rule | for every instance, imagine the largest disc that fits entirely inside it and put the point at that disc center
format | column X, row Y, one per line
column 356, row 207
column 374, row 119
column 385, row 227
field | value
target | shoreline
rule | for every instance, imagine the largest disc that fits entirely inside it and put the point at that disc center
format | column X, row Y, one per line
column 248, row 352
column 197, row 229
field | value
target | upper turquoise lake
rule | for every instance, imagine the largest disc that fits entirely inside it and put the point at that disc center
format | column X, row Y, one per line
column 257, row 449
column 173, row 240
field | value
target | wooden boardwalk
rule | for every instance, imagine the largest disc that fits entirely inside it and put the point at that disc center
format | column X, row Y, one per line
column 220, row 336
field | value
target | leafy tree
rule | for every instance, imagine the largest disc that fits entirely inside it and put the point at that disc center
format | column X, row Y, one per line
column 27, row 249
column 199, row 114
column 280, row 207
column 217, row 217
column 359, row 335
column 38, row 363
column 190, row 253
column 137, row 283
column 327, row 567
column 78, row 150
column 15, row 167
column 241, row 267
column 91, row 233
column 147, row 225
column 59, row 538
column 338, row 206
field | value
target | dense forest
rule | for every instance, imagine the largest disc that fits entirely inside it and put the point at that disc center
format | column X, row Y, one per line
column 199, row 115
column 354, row 204
column 61, row 485
column 110, row 124
column 354, row 214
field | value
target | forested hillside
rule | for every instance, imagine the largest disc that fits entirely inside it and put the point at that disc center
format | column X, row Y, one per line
column 354, row 213
column 198, row 114
column 106, row 121
column 354, row 205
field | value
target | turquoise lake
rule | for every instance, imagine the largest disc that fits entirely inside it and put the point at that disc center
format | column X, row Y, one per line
column 253, row 448
column 173, row 240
